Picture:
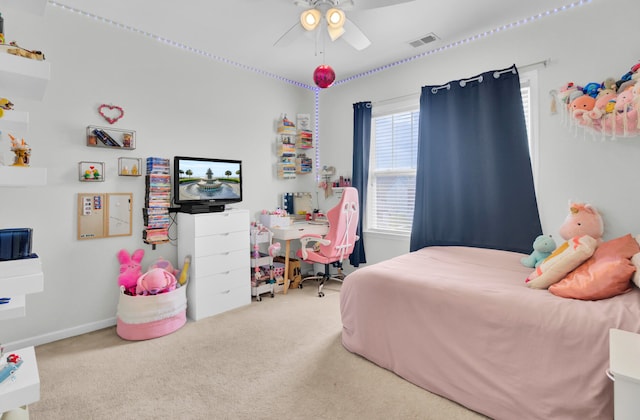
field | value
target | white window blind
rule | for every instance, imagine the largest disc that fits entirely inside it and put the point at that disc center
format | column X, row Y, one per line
column 393, row 172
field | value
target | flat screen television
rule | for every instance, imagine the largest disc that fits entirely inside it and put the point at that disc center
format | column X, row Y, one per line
column 205, row 185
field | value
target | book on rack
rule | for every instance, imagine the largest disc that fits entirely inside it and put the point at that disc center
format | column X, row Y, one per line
column 105, row 138
column 156, row 165
column 155, row 235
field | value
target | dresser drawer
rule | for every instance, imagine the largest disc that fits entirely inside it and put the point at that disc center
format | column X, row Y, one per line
column 220, row 263
column 214, row 303
column 218, row 293
column 221, row 243
column 216, row 223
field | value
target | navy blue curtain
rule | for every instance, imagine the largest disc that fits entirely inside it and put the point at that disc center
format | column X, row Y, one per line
column 474, row 184
column 360, row 169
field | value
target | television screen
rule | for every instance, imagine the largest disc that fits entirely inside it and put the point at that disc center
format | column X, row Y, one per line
column 206, row 184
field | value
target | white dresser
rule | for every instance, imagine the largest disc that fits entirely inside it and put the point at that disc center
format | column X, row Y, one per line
column 219, row 247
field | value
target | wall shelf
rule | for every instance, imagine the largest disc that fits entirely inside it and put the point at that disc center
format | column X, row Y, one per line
column 23, row 77
column 32, row 6
column 116, row 137
column 17, row 121
column 19, row 278
column 21, row 176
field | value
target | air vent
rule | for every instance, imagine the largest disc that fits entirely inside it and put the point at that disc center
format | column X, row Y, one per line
column 430, row 37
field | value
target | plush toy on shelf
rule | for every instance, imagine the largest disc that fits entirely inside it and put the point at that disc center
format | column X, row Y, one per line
column 130, row 270
column 543, row 246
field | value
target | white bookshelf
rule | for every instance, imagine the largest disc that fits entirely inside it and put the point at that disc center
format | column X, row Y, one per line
column 25, row 78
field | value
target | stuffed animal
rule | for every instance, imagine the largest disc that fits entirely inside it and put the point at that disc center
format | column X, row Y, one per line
column 130, row 269
column 155, row 281
column 543, row 246
column 164, row 264
column 583, row 219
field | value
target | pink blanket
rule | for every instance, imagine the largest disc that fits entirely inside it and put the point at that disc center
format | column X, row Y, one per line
column 460, row 322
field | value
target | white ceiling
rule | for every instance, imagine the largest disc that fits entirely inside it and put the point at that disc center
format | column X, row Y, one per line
column 244, row 31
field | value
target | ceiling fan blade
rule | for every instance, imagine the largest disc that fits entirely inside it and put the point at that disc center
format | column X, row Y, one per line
column 291, row 35
column 374, row 4
column 354, row 36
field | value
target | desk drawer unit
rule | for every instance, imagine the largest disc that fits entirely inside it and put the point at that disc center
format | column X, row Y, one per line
column 219, row 247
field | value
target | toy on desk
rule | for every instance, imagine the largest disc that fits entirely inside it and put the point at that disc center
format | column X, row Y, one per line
column 13, row 363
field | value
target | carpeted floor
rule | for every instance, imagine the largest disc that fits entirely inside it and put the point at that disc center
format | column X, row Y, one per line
column 280, row 358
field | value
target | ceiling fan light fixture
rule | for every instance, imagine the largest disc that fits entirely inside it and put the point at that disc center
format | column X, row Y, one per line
column 335, row 18
column 309, row 19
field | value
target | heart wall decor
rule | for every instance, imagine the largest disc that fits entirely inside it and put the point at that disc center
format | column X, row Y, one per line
column 111, row 113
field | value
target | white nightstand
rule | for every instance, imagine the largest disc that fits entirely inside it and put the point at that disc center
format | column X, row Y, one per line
column 624, row 367
column 24, row 389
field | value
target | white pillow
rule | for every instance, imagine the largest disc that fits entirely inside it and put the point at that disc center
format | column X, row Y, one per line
column 562, row 261
column 635, row 260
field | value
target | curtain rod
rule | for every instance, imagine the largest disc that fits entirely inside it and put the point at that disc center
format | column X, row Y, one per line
column 526, row 67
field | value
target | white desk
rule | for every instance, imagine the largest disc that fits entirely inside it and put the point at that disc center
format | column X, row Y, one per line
column 296, row 231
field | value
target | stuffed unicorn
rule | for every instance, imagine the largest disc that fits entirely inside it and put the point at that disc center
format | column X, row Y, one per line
column 583, row 219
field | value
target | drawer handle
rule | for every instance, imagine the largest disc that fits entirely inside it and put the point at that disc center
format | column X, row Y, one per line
column 226, row 292
column 610, row 375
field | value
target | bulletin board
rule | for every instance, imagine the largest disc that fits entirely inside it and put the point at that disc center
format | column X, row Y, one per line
column 102, row 215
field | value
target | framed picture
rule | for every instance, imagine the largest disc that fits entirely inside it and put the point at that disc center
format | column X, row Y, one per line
column 91, row 171
column 129, row 166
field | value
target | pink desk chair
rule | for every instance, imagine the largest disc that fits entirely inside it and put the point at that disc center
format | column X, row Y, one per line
column 338, row 243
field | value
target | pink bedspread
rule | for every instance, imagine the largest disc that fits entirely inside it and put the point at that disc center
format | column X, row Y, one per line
column 461, row 323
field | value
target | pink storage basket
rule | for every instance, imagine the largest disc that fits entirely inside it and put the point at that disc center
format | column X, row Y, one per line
column 146, row 317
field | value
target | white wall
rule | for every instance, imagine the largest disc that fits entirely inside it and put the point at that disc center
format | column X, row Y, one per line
column 602, row 173
column 178, row 103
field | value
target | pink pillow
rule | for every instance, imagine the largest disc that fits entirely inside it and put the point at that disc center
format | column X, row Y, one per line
column 605, row 274
column 625, row 246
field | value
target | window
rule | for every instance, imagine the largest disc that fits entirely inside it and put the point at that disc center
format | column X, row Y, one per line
column 392, row 173
column 392, row 164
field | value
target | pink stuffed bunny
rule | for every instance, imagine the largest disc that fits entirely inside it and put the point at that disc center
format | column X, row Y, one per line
column 583, row 219
column 130, row 269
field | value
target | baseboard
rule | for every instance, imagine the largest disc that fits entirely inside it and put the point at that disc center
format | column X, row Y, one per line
column 60, row 334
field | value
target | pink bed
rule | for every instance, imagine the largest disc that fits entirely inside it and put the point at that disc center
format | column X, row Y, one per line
column 460, row 322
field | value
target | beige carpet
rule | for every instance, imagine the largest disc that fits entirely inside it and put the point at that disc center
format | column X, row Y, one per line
column 277, row 359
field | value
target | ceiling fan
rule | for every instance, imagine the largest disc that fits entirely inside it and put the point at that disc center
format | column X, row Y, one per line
column 319, row 13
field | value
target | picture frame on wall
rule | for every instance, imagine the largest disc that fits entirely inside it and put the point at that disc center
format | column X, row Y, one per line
column 91, row 171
